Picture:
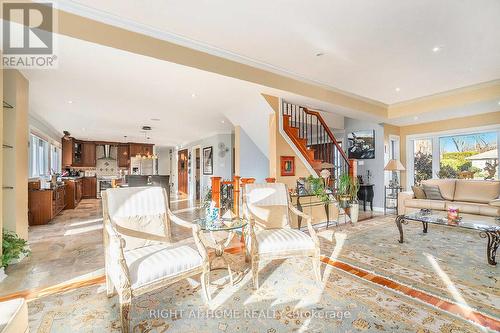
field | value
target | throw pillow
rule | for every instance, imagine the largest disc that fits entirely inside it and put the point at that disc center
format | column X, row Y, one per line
column 418, row 191
column 432, row 192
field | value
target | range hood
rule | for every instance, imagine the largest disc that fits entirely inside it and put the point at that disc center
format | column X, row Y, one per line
column 107, row 153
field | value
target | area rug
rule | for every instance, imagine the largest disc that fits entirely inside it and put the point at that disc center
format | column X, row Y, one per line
column 448, row 263
column 288, row 300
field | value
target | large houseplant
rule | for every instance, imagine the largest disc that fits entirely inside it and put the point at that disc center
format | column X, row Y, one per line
column 13, row 248
column 353, row 191
column 318, row 188
column 344, row 193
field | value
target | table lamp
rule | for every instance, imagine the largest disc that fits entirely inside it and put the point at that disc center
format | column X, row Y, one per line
column 394, row 165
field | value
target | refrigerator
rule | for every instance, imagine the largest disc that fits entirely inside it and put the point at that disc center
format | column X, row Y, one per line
column 142, row 166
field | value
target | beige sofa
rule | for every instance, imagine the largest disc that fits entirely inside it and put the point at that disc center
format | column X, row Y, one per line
column 476, row 198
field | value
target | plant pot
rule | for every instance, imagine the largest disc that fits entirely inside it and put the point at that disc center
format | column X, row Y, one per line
column 354, row 212
column 344, row 201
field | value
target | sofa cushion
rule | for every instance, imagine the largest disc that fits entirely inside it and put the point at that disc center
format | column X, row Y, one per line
column 446, row 187
column 481, row 191
column 425, row 203
column 432, row 192
column 14, row 316
column 283, row 240
column 419, row 192
column 154, row 262
column 474, row 208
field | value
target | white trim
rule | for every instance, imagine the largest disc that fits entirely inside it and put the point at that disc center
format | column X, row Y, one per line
column 291, row 144
column 191, row 179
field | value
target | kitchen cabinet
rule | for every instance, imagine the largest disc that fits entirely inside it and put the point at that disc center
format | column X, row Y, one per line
column 88, row 154
column 89, row 187
column 76, row 153
column 140, row 149
column 44, row 205
column 123, row 156
column 74, row 192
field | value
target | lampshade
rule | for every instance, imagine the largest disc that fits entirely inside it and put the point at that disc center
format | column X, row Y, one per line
column 394, row 165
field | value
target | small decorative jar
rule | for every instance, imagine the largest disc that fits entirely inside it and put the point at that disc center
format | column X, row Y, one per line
column 453, row 215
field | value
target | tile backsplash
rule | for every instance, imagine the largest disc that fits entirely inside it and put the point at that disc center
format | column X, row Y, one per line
column 107, row 168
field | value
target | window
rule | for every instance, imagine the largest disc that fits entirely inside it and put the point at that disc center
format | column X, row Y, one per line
column 55, row 159
column 38, row 156
column 469, row 156
column 422, row 160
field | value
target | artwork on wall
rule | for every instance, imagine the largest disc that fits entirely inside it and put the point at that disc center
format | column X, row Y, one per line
column 361, row 145
column 208, row 161
column 287, row 165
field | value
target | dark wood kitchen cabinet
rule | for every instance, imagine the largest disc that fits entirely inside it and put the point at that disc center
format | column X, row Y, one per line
column 123, row 156
column 44, row 205
column 76, row 153
column 89, row 187
column 88, row 154
column 74, row 192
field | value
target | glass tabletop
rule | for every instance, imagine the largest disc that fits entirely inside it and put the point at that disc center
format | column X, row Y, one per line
column 221, row 224
column 441, row 218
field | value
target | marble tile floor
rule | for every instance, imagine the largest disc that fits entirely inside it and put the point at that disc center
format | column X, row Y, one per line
column 69, row 249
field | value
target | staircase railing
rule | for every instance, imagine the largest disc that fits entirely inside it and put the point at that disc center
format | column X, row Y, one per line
column 315, row 135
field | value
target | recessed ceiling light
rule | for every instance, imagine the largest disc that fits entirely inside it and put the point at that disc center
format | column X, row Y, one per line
column 436, row 49
column 193, row 95
column 70, row 102
column 155, row 119
column 222, row 121
column 415, row 118
column 319, row 54
column 398, row 89
column 498, row 102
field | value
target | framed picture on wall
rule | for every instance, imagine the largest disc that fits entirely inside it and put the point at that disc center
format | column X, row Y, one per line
column 208, row 161
column 287, row 165
column 361, row 145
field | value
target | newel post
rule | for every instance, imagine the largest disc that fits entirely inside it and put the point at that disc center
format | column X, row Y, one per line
column 216, row 191
column 236, row 195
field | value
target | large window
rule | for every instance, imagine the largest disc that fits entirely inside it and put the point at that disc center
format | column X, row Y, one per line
column 471, row 156
column 38, row 157
column 55, row 159
column 422, row 160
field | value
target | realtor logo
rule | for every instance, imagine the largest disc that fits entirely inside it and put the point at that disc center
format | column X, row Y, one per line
column 28, row 35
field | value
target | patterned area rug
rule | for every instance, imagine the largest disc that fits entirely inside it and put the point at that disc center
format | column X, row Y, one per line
column 449, row 263
column 288, row 300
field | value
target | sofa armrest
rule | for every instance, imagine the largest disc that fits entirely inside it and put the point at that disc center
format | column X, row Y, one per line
column 402, row 197
column 495, row 202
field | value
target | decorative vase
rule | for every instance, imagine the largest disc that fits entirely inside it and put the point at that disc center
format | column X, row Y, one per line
column 354, row 212
column 344, row 201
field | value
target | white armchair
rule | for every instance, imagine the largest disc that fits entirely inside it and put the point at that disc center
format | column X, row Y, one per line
column 139, row 255
column 269, row 235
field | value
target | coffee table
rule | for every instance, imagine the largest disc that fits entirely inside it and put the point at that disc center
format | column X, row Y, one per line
column 426, row 217
column 229, row 225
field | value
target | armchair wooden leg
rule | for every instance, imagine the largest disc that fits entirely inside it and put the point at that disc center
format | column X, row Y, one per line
column 255, row 273
column 205, row 282
column 317, row 267
column 125, row 304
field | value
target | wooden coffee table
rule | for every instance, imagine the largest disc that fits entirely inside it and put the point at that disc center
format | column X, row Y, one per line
column 426, row 217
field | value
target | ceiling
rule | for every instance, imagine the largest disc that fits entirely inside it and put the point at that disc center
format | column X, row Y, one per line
column 101, row 93
column 369, row 48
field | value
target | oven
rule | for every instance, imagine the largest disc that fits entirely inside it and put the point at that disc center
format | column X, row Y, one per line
column 103, row 185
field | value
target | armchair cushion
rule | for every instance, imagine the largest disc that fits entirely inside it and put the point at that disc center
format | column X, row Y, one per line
column 268, row 204
column 139, row 214
column 156, row 262
column 282, row 240
column 14, row 316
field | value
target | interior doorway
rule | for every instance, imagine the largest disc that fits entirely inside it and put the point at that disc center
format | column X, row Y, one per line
column 197, row 174
column 182, row 171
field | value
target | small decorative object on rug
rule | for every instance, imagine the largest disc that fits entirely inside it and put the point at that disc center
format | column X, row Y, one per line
column 287, row 166
column 453, row 215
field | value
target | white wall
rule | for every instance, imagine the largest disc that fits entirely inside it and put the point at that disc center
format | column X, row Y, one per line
column 376, row 165
column 222, row 166
column 165, row 159
column 253, row 163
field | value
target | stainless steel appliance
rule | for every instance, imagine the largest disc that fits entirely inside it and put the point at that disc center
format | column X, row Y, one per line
column 103, row 183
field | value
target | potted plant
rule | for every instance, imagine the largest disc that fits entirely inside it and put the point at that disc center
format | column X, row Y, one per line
column 353, row 191
column 344, row 194
column 13, row 248
column 318, row 188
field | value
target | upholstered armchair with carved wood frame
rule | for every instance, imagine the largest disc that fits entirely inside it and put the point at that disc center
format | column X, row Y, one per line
column 139, row 254
column 269, row 234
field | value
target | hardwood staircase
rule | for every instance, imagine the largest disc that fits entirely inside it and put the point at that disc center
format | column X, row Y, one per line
column 314, row 139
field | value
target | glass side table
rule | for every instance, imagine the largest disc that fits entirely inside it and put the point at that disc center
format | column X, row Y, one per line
column 229, row 225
